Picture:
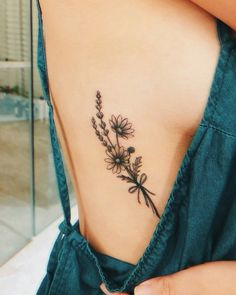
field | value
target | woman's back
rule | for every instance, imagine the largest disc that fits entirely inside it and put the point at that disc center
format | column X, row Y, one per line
column 153, row 63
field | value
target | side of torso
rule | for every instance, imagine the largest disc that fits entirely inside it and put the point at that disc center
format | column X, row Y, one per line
column 153, row 62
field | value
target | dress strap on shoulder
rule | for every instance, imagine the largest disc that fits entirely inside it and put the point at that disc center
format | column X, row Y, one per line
column 57, row 156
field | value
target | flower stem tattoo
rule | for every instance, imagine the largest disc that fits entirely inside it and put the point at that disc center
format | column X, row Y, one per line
column 119, row 158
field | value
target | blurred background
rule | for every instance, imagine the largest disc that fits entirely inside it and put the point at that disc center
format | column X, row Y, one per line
column 29, row 200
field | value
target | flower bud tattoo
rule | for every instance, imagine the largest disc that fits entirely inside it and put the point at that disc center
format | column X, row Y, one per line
column 119, row 157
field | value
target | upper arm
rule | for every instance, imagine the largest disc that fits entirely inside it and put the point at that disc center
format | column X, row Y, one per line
column 225, row 10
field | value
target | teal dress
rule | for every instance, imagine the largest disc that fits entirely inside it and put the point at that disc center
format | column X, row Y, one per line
column 199, row 221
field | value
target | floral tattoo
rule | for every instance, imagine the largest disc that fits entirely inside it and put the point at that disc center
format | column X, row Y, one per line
column 118, row 156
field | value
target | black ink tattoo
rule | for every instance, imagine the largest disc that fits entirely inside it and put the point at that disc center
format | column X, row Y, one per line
column 118, row 157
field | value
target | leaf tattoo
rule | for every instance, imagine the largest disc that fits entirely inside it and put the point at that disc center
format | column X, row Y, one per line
column 119, row 157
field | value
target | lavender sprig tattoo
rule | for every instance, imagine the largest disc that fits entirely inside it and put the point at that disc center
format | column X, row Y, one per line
column 119, row 158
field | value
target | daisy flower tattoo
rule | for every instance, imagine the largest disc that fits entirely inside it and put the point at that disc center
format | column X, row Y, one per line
column 118, row 157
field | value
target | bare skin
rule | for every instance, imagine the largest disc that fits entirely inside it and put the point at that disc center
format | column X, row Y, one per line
column 147, row 59
column 214, row 7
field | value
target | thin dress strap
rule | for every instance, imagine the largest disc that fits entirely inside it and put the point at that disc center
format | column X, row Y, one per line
column 58, row 162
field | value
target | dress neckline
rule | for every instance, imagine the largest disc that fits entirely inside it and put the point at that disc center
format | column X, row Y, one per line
column 169, row 214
